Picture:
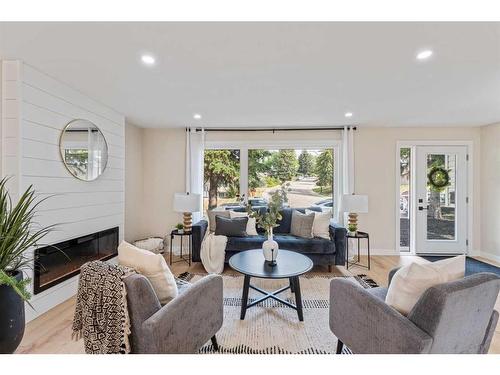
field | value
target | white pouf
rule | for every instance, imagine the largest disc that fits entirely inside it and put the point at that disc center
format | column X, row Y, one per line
column 153, row 244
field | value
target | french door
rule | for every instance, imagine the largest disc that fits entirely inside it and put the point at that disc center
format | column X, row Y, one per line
column 441, row 200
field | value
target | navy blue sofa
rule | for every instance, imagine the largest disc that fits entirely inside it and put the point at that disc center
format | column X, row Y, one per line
column 321, row 251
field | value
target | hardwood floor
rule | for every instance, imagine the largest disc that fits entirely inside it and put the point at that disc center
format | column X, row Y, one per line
column 51, row 332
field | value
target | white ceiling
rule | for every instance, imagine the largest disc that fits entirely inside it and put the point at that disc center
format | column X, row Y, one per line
column 273, row 74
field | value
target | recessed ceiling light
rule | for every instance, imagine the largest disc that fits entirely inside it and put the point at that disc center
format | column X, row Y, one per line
column 148, row 59
column 348, row 114
column 423, row 55
column 197, row 116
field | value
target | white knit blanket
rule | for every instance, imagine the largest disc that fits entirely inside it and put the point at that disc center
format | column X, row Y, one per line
column 213, row 251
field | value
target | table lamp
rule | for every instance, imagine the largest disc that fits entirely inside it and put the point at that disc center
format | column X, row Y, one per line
column 187, row 204
column 354, row 204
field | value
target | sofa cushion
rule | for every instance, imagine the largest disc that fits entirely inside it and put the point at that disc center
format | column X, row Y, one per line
column 321, row 224
column 285, row 242
column 152, row 266
column 211, row 218
column 302, row 224
column 285, row 223
column 236, row 227
column 251, row 224
column 411, row 281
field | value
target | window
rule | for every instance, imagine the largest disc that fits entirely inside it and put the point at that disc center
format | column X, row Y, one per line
column 404, row 198
column 308, row 175
column 251, row 173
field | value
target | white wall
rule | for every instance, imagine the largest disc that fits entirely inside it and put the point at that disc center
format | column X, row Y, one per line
column 134, row 183
column 43, row 106
column 375, row 173
column 164, row 174
column 490, row 191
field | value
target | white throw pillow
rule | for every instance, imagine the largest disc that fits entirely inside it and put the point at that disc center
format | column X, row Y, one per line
column 251, row 223
column 411, row 281
column 152, row 266
column 321, row 224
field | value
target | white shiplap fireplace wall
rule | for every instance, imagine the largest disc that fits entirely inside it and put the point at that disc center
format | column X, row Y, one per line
column 35, row 108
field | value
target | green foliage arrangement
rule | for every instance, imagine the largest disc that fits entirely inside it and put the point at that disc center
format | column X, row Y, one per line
column 18, row 233
column 438, row 178
column 270, row 219
column 179, row 226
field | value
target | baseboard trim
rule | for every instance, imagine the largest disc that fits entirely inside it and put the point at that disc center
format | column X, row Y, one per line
column 382, row 252
column 489, row 256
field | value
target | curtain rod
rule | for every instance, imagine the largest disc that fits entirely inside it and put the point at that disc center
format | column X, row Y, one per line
column 269, row 129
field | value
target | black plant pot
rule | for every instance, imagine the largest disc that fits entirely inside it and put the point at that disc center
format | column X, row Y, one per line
column 11, row 318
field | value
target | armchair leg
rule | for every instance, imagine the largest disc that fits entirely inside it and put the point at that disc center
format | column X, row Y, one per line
column 214, row 343
column 330, row 268
column 340, row 346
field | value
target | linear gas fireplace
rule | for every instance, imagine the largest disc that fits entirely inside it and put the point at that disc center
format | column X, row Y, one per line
column 63, row 260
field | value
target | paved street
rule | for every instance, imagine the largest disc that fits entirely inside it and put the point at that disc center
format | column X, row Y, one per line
column 301, row 193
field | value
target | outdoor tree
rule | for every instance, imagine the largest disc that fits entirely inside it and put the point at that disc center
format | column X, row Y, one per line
column 324, row 169
column 284, row 165
column 257, row 167
column 221, row 169
column 404, row 158
column 306, row 163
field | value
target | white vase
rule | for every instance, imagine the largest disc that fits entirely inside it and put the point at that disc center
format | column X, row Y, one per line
column 270, row 248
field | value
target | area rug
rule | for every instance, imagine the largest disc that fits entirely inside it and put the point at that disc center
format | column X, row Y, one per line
column 472, row 265
column 273, row 328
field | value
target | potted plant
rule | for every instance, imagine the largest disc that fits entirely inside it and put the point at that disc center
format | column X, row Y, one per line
column 18, row 233
column 180, row 228
column 352, row 228
column 268, row 220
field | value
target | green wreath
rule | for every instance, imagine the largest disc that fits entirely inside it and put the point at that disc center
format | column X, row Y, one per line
column 439, row 177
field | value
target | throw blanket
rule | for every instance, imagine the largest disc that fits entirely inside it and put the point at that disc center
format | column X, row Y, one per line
column 213, row 251
column 101, row 314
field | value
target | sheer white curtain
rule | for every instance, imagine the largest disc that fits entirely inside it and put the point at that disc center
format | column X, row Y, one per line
column 347, row 166
column 195, row 146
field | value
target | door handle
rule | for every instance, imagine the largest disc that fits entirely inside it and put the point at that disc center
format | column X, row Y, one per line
column 420, row 208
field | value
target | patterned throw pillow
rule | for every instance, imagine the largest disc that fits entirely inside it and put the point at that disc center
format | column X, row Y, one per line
column 302, row 224
column 321, row 224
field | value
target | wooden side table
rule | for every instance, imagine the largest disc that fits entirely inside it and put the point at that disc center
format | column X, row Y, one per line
column 181, row 257
column 359, row 236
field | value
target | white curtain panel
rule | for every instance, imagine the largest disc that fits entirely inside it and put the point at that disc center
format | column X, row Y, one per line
column 347, row 167
column 195, row 146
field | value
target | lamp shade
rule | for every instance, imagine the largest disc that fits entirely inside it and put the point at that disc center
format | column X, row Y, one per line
column 187, row 202
column 354, row 203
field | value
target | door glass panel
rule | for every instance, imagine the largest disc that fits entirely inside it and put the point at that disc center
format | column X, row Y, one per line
column 441, row 221
column 404, row 198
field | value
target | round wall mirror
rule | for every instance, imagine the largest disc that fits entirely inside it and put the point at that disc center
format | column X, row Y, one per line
column 84, row 150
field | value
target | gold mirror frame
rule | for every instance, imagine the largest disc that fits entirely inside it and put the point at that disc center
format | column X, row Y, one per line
column 62, row 149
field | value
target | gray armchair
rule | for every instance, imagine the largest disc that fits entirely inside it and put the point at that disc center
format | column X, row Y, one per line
column 181, row 326
column 454, row 317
